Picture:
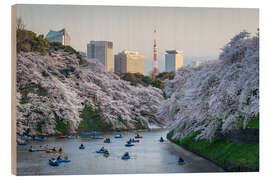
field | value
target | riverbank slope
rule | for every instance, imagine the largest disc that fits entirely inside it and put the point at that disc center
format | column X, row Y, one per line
column 214, row 108
column 234, row 153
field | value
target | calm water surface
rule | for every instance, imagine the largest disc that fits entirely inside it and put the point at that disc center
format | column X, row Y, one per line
column 147, row 156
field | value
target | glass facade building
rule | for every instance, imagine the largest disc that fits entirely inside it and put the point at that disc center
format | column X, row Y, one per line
column 103, row 51
column 59, row 36
column 173, row 60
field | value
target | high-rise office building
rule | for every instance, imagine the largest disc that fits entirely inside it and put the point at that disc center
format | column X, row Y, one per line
column 103, row 51
column 129, row 61
column 59, row 36
column 173, row 60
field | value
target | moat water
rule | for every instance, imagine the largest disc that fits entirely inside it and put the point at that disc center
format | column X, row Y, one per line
column 147, row 156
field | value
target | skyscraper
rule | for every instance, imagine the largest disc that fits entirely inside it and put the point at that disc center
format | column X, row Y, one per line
column 173, row 60
column 59, row 36
column 129, row 61
column 103, row 51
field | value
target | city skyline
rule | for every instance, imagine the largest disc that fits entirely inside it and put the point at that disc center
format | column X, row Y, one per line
column 199, row 32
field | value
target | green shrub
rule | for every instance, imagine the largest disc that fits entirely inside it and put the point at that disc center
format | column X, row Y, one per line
column 39, row 126
column 92, row 119
column 24, row 101
column 29, row 41
column 136, row 78
column 121, row 120
column 170, row 134
column 61, row 126
column 253, row 122
column 138, row 124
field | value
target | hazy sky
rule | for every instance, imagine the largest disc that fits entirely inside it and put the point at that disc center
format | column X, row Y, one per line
column 196, row 31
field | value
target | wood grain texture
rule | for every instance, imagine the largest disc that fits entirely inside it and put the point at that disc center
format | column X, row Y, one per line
column 13, row 91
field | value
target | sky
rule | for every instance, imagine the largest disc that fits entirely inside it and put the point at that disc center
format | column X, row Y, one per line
column 199, row 32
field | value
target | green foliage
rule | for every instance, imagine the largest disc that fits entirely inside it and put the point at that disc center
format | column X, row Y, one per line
column 39, row 44
column 137, row 78
column 165, row 75
column 133, row 78
column 158, row 83
column 92, row 119
column 61, row 125
column 224, row 150
column 253, row 122
column 29, row 41
column 39, row 126
column 121, row 120
column 170, row 134
column 138, row 124
column 24, row 101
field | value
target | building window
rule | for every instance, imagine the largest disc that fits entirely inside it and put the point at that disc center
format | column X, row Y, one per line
column 92, row 50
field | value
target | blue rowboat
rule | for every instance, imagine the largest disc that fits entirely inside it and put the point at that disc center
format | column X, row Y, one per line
column 53, row 163
column 128, row 145
column 125, row 157
column 22, row 144
column 40, row 139
column 134, row 141
column 72, row 137
column 91, row 133
column 33, row 150
column 26, row 138
column 118, row 136
column 100, row 152
column 81, row 147
column 63, row 161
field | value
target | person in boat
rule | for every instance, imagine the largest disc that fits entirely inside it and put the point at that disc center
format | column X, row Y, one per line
column 102, row 149
column 120, row 135
column 59, row 158
column 31, row 147
column 180, row 159
column 126, row 154
column 129, row 142
column 53, row 160
column 60, row 149
column 81, row 145
column 106, row 151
